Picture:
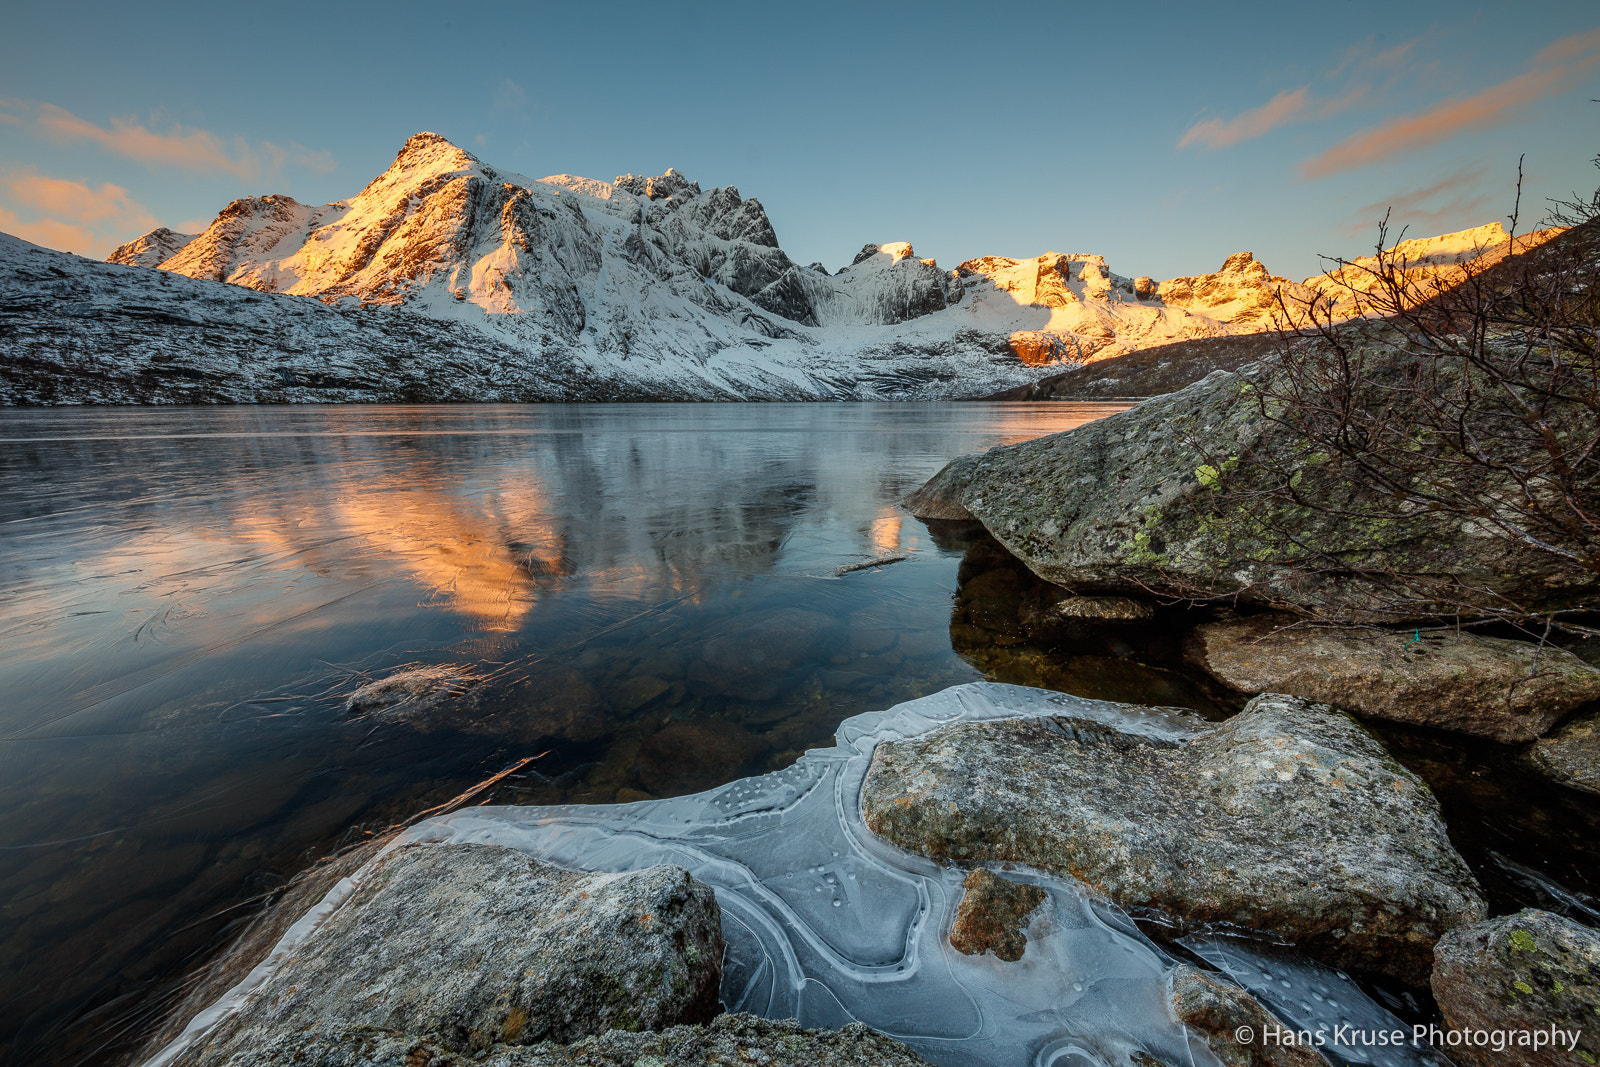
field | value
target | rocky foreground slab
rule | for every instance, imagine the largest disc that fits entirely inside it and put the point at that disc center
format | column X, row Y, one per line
column 727, row 1039
column 476, row 946
column 1289, row 817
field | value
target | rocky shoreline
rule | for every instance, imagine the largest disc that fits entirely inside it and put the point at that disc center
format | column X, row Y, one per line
column 1288, row 819
column 1090, row 882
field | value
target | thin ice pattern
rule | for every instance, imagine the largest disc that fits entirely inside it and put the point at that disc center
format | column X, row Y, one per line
column 829, row 924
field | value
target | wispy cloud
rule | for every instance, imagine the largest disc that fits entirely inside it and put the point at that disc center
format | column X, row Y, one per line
column 1297, row 105
column 1360, row 75
column 1221, row 133
column 1458, row 198
column 177, row 146
column 1554, row 69
column 509, row 97
column 71, row 215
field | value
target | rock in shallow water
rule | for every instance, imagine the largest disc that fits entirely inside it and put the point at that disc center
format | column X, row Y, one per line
column 1219, row 1009
column 1571, row 755
column 1288, row 817
column 1510, row 691
column 1522, row 973
column 477, row 945
column 993, row 916
column 728, row 1039
column 750, row 660
column 410, row 692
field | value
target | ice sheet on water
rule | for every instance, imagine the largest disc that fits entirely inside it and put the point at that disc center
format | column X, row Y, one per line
column 1316, row 999
column 827, row 923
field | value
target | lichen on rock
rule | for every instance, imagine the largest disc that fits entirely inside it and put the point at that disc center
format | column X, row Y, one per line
column 1523, row 972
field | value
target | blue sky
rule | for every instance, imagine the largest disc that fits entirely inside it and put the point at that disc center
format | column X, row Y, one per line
column 1162, row 136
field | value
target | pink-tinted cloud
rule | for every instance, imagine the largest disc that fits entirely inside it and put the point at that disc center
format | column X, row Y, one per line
column 71, row 215
column 1364, row 72
column 1420, row 211
column 179, row 146
column 51, row 233
column 1297, row 105
column 65, row 198
column 1220, row 133
column 1555, row 69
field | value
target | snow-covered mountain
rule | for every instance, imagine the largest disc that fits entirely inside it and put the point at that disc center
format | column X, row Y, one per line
column 151, row 250
column 1425, row 265
column 567, row 287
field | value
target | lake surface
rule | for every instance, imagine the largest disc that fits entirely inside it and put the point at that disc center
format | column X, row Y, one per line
column 638, row 600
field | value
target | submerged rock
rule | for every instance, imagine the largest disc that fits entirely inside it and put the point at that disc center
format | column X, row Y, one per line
column 1218, row 1009
column 1522, row 973
column 477, row 945
column 1571, row 755
column 409, row 693
column 993, row 916
column 1510, row 691
column 749, row 661
column 1288, row 818
column 727, row 1039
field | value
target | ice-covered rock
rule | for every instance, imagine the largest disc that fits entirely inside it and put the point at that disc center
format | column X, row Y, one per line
column 828, row 924
column 993, row 915
column 1223, row 1012
column 409, row 692
column 1510, row 691
column 1287, row 818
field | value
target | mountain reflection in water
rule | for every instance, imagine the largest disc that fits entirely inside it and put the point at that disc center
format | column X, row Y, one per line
column 646, row 594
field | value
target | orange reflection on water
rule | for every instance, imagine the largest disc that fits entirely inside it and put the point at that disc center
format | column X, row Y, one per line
column 884, row 533
column 466, row 557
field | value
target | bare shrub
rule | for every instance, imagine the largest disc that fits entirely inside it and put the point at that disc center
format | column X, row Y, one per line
column 1466, row 399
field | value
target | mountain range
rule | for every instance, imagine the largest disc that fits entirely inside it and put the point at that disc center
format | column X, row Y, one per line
column 447, row 279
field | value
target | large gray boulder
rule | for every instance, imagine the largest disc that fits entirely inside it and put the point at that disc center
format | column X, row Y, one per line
column 727, row 1039
column 1119, row 505
column 1520, row 973
column 1511, row 691
column 1288, row 818
column 478, row 945
column 1571, row 755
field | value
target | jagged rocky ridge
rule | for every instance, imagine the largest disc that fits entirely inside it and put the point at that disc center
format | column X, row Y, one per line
column 452, row 280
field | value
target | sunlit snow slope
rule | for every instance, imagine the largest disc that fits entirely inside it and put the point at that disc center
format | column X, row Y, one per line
column 446, row 279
